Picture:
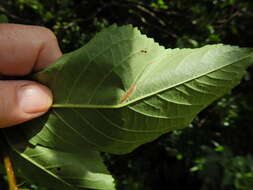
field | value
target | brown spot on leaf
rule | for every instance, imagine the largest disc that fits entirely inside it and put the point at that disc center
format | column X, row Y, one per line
column 128, row 94
column 144, row 51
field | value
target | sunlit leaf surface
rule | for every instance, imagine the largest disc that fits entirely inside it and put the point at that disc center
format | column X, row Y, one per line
column 122, row 90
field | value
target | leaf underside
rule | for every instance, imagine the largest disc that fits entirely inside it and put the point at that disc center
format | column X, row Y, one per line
column 122, row 90
column 59, row 170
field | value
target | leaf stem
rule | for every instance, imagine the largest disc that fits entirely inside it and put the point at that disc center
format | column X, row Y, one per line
column 10, row 172
column 8, row 166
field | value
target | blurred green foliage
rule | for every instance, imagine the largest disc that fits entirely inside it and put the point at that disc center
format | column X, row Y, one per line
column 3, row 18
column 215, row 151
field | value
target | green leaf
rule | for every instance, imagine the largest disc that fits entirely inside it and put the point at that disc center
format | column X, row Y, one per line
column 122, row 90
column 59, row 170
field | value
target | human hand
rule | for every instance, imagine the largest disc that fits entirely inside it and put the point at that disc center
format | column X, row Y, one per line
column 24, row 49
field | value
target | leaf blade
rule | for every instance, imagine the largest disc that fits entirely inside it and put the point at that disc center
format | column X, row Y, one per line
column 122, row 90
column 139, row 83
column 59, row 170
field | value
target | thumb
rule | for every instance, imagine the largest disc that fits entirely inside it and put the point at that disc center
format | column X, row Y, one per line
column 21, row 101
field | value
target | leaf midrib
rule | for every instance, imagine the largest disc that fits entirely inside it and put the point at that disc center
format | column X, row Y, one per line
column 117, row 106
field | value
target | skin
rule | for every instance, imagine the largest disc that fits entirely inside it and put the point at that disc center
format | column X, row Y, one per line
column 24, row 49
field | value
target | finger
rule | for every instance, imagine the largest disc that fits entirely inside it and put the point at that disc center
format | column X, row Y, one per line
column 21, row 101
column 26, row 48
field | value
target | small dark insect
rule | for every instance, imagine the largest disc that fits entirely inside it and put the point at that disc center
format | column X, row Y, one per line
column 144, row 51
column 58, row 169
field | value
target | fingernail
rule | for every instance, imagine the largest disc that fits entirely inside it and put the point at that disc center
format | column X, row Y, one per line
column 34, row 98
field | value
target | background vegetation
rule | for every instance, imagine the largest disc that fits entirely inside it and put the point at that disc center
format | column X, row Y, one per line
column 215, row 152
